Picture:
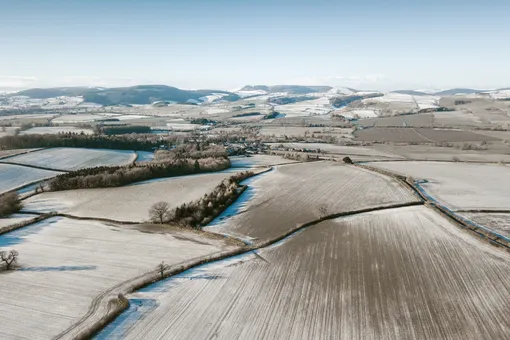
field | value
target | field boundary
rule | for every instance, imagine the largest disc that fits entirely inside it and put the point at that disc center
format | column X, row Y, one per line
column 484, row 233
column 22, row 153
column 33, row 166
column 101, row 311
column 12, row 227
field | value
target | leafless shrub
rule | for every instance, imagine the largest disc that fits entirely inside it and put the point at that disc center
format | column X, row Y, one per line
column 9, row 258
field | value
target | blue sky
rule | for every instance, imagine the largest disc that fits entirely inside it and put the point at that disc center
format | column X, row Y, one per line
column 226, row 44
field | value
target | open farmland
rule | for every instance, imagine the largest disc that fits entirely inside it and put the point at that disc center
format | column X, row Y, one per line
column 9, row 153
column 258, row 161
column 394, row 274
column 128, row 203
column 335, row 149
column 15, row 176
column 74, row 158
column 298, row 131
column 55, row 130
column 419, row 135
column 492, row 154
column 14, row 219
column 65, row 263
column 415, row 120
column 297, row 193
column 459, row 185
column 499, row 222
column 313, row 107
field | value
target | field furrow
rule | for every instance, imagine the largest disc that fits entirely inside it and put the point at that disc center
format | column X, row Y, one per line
column 293, row 194
column 404, row 273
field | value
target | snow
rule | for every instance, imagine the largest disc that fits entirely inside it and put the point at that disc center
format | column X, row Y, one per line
column 459, row 185
column 15, row 176
column 73, row 158
column 128, row 203
column 244, row 94
column 55, row 130
column 65, row 263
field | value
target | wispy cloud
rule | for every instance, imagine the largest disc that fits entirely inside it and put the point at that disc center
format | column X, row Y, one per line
column 346, row 81
column 16, row 81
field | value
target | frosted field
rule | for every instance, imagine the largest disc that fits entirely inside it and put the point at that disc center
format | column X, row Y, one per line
column 459, row 185
column 55, row 130
column 395, row 274
column 319, row 106
column 9, row 131
column 357, row 114
column 336, row 149
column 498, row 222
column 185, row 127
column 74, row 158
column 280, row 131
column 277, row 201
column 258, row 161
column 14, row 218
column 128, row 203
column 8, row 153
column 15, row 176
column 78, row 118
column 66, row 263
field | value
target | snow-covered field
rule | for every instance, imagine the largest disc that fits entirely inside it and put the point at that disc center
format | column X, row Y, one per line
column 335, row 149
column 258, row 161
column 8, row 131
column 128, row 203
column 183, row 127
column 396, row 274
column 15, row 218
column 15, row 176
column 459, row 185
column 358, row 114
column 298, row 193
column 497, row 222
column 314, row 107
column 65, row 263
column 55, row 130
column 8, row 153
column 74, row 158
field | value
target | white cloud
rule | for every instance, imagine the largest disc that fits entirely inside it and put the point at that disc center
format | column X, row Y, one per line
column 16, row 81
column 356, row 81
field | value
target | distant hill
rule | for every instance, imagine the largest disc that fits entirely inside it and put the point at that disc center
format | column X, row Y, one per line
column 41, row 93
column 291, row 89
column 141, row 94
column 411, row 92
column 452, row 92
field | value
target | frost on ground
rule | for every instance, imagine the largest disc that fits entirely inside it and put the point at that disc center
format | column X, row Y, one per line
column 299, row 193
column 403, row 273
column 8, row 153
column 335, row 149
column 74, row 158
column 14, row 219
column 258, row 161
column 128, row 203
column 53, row 130
column 15, row 176
column 65, row 263
column 498, row 222
column 459, row 185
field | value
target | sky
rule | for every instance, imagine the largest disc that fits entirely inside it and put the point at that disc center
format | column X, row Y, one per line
column 225, row 44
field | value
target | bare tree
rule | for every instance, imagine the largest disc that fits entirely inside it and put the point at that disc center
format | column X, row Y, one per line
column 159, row 212
column 9, row 257
column 162, row 267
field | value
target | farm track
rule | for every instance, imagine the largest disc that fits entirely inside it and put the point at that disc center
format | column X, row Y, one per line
column 33, row 166
column 101, row 307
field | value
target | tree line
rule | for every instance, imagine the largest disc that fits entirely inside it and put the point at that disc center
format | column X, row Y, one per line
column 200, row 212
column 74, row 140
column 183, row 160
